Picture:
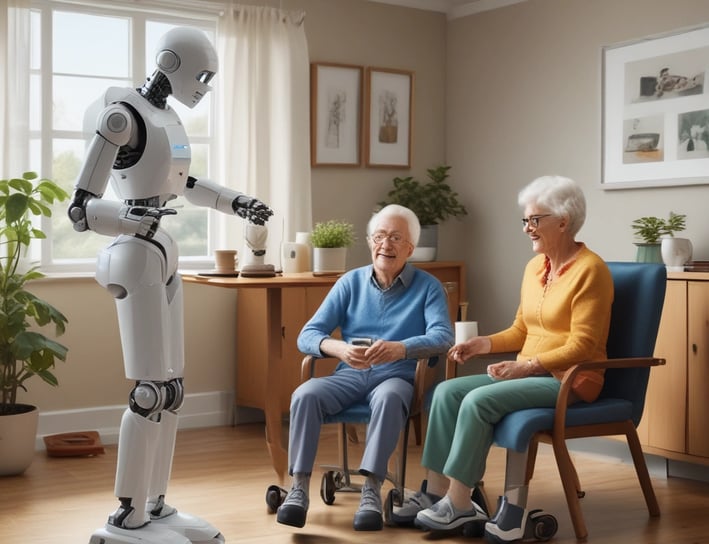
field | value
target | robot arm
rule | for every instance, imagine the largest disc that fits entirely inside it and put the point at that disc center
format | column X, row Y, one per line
column 87, row 210
column 209, row 194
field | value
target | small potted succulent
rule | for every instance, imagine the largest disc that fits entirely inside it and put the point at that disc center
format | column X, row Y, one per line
column 330, row 241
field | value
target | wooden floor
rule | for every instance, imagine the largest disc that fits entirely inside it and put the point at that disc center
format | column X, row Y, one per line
column 222, row 473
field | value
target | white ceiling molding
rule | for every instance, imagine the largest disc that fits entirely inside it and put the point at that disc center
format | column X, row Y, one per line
column 452, row 8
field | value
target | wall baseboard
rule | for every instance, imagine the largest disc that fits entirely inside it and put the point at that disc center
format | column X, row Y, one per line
column 211, row 409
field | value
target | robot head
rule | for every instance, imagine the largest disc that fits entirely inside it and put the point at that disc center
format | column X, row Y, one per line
column 189, row 61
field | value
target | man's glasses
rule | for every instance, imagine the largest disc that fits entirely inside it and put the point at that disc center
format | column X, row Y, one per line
column 395, row 238
column 533, row 220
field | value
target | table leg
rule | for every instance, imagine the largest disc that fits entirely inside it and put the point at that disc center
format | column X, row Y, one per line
column 272, row 404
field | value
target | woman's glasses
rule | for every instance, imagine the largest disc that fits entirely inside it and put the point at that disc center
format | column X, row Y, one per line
column 533, row 220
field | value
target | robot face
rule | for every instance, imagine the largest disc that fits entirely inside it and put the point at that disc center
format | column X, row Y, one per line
column 189, row 61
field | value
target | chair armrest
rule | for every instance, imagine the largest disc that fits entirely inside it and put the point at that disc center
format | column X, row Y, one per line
column 562, row 401
column 308, row 366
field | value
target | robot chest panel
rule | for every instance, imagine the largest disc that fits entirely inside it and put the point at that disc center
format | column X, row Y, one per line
column 163, row 168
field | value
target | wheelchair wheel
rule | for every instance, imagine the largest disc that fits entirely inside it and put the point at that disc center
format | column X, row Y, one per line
column 544, row 526
column 327, row 487
column 275, row 496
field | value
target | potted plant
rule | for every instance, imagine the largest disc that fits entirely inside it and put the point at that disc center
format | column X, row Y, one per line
column 330, row 241
column 650, row 230
column 24, row 351
column 433, row 202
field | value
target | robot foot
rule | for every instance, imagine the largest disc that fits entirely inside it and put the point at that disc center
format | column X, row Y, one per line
column 195, row 530
column 148, row 534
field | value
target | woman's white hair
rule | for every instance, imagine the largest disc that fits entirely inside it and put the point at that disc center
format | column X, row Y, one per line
column 396, row 210
column 559, row 196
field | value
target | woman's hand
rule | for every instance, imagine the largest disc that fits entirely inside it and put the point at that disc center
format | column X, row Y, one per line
column 477, row 345
column 511, row 370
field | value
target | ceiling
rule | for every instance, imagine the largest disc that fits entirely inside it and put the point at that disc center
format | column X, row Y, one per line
column 452, row 8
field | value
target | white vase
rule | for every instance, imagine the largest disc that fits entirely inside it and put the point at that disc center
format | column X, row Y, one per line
column 676, row 252
column 329, row 260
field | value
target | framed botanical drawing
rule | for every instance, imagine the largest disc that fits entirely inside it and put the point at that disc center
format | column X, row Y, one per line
column 388, row 118
column 335, row 114
column 656, row 111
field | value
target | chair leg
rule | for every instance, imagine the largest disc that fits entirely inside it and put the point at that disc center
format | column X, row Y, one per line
column 642, row 472
column 418, row 432
column 570, row 482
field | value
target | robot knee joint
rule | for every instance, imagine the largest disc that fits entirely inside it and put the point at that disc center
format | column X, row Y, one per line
column 147, row 399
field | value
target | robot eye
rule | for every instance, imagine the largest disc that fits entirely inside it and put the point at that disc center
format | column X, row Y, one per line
column 205, row 77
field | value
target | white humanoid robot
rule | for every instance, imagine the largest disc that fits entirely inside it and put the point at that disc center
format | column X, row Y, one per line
column 141, row 145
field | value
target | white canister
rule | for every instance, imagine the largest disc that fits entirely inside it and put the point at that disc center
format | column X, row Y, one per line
column 465, row 330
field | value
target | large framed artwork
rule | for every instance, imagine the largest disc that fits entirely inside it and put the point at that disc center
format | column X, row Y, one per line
column 335, row 114
column 656, row 111
column 388, row 118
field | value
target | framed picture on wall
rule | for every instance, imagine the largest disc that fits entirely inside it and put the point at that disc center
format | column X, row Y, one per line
column 656, row 111
column 335, row 114
column 388, row 118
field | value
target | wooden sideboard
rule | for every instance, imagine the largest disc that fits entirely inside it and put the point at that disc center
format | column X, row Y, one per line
column 676, row 416
column 297, row 305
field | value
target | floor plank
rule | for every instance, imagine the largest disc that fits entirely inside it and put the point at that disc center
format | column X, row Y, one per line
column 222, row 473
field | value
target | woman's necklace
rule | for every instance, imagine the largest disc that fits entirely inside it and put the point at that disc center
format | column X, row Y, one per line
column 548, row 276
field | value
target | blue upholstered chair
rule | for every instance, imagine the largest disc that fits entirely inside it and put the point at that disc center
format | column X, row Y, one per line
column 338, row 477
column 635, row 318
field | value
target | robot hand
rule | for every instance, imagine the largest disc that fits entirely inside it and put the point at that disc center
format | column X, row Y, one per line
column 251, row 209
column 148, row 219
column 77, row 210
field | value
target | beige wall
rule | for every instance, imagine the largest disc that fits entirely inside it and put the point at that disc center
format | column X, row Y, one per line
column 503, row 96
column 524, row 99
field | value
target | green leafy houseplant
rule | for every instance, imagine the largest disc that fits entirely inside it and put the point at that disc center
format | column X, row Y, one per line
column 333, row 233
column 24, row 352
column 432, row 202
column 651, row 229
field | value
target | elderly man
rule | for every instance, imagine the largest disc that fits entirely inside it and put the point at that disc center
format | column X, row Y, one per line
column 403, row 311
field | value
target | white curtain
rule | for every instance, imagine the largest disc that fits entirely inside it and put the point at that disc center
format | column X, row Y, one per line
column 263, row 83
column 14, row 87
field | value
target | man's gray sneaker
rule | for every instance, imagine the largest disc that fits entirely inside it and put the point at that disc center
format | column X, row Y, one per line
column 294, row 509
column 369, row 515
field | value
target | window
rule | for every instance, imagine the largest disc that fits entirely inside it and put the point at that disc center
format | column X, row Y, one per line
column 70, row 69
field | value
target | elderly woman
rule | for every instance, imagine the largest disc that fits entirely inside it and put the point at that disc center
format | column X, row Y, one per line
column 562, row 319
column 404, row 312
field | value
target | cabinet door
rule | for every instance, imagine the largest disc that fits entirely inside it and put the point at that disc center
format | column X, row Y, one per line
column 664, row 423
column 698, row 367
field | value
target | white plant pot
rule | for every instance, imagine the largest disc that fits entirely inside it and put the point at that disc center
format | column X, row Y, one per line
column 329, row 260
column 17, row 439
column 676, row 252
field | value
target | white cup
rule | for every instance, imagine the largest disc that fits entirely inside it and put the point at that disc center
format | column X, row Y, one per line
column 225, row 261
column 465, row 330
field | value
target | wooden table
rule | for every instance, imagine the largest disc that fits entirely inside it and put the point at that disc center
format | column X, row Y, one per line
column 273, row 286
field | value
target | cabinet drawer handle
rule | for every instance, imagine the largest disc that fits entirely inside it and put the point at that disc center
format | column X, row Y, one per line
column 694, row 349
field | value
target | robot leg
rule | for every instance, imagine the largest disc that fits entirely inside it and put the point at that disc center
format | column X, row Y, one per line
column 195, row 529
column 130, row 524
